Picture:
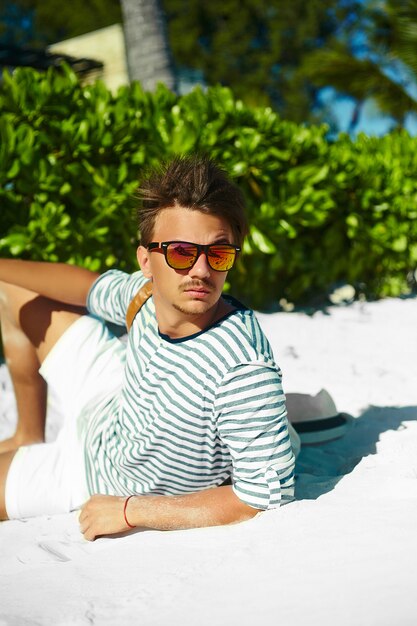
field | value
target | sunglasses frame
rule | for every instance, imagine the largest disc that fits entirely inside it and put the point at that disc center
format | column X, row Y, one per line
column 163, row 246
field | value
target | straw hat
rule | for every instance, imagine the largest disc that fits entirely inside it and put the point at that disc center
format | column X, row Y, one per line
column 316, row 418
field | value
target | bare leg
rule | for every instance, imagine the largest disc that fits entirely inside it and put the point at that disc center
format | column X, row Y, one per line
column 29, row 387
column 30, row 327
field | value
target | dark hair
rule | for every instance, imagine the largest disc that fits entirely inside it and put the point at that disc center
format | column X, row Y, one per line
column 193, row 182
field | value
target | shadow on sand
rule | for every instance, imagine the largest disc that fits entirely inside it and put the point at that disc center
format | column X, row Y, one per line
column 320, row 467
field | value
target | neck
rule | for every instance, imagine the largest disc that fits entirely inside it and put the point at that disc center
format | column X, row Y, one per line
column 177, row 324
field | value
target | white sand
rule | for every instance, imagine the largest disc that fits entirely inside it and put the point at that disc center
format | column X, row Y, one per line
column 344, row 553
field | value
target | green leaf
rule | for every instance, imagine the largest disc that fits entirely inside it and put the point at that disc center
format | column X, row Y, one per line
column 14, row 170
column 65, row 188
column 400, row 244
column 261, row 241
column 16, row 243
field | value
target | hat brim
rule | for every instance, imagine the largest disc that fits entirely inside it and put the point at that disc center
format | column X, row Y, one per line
column 323, row 429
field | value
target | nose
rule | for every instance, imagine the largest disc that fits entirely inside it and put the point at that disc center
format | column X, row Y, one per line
column 201, row 268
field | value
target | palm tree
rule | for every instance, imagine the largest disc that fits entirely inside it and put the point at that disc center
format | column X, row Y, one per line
column 147, row 50
column 386, row 68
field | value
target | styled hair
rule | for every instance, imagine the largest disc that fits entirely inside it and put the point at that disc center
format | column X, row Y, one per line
column 193, row 182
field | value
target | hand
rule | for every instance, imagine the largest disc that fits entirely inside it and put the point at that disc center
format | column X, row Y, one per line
column 102, row 515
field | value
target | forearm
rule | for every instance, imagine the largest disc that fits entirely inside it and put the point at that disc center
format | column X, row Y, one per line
column 211, row 507
column 103, row 515
column 59, row 281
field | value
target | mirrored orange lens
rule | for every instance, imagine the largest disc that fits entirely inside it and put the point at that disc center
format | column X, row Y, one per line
column 221, row 258
column 181, row 256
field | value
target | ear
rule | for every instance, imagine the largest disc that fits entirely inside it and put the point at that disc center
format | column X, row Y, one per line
column 143, row 257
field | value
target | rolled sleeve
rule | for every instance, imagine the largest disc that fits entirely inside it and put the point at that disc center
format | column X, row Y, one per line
column 270, row 488
column 252, row 423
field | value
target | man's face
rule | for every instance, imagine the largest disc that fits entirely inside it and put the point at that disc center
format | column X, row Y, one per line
column 190, row 293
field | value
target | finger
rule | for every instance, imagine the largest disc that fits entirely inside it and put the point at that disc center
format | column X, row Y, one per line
column 88, row 533
column 85, row 523
column 82, row 518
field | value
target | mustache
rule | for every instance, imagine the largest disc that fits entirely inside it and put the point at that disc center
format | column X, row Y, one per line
column 198, row 284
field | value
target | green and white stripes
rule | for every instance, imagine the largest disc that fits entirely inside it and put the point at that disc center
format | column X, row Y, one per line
column 190, row 412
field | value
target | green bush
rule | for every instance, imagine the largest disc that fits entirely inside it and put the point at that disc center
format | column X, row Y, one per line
column 320, row 212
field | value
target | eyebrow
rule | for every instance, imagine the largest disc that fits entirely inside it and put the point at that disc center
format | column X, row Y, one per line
column 221, row 239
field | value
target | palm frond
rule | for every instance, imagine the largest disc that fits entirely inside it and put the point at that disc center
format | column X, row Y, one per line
column 359, row 78
column 404, row 43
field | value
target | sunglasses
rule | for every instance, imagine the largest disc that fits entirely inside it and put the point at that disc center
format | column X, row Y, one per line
column 183, row 255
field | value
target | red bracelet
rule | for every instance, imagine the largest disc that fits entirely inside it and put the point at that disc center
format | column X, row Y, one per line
column 124, row 511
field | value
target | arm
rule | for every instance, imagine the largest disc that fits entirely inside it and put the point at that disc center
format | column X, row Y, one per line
column 58, row 281
column 252, row 423
column 103, row 515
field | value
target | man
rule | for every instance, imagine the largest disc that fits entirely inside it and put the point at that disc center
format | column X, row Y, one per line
column 155, row 426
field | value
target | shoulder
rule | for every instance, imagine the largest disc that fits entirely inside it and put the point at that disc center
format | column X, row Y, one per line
column 111, row 293
column 239, row 339
column 243, row 328
column 116, row 280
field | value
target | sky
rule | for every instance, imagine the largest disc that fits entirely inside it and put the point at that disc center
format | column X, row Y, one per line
column 371, row 120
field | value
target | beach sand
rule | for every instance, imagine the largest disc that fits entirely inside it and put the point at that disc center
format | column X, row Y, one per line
column 343, row 553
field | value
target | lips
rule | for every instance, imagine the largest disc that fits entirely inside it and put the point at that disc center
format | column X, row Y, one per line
column 199, row 288
column 202, row 289
column 197, row 293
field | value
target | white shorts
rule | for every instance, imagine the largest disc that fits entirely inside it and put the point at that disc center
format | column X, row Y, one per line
column 84, row 369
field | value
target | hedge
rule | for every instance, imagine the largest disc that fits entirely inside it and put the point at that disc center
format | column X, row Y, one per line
column 320, row 212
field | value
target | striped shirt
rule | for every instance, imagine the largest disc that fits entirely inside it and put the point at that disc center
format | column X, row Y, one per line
column 191, row 412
